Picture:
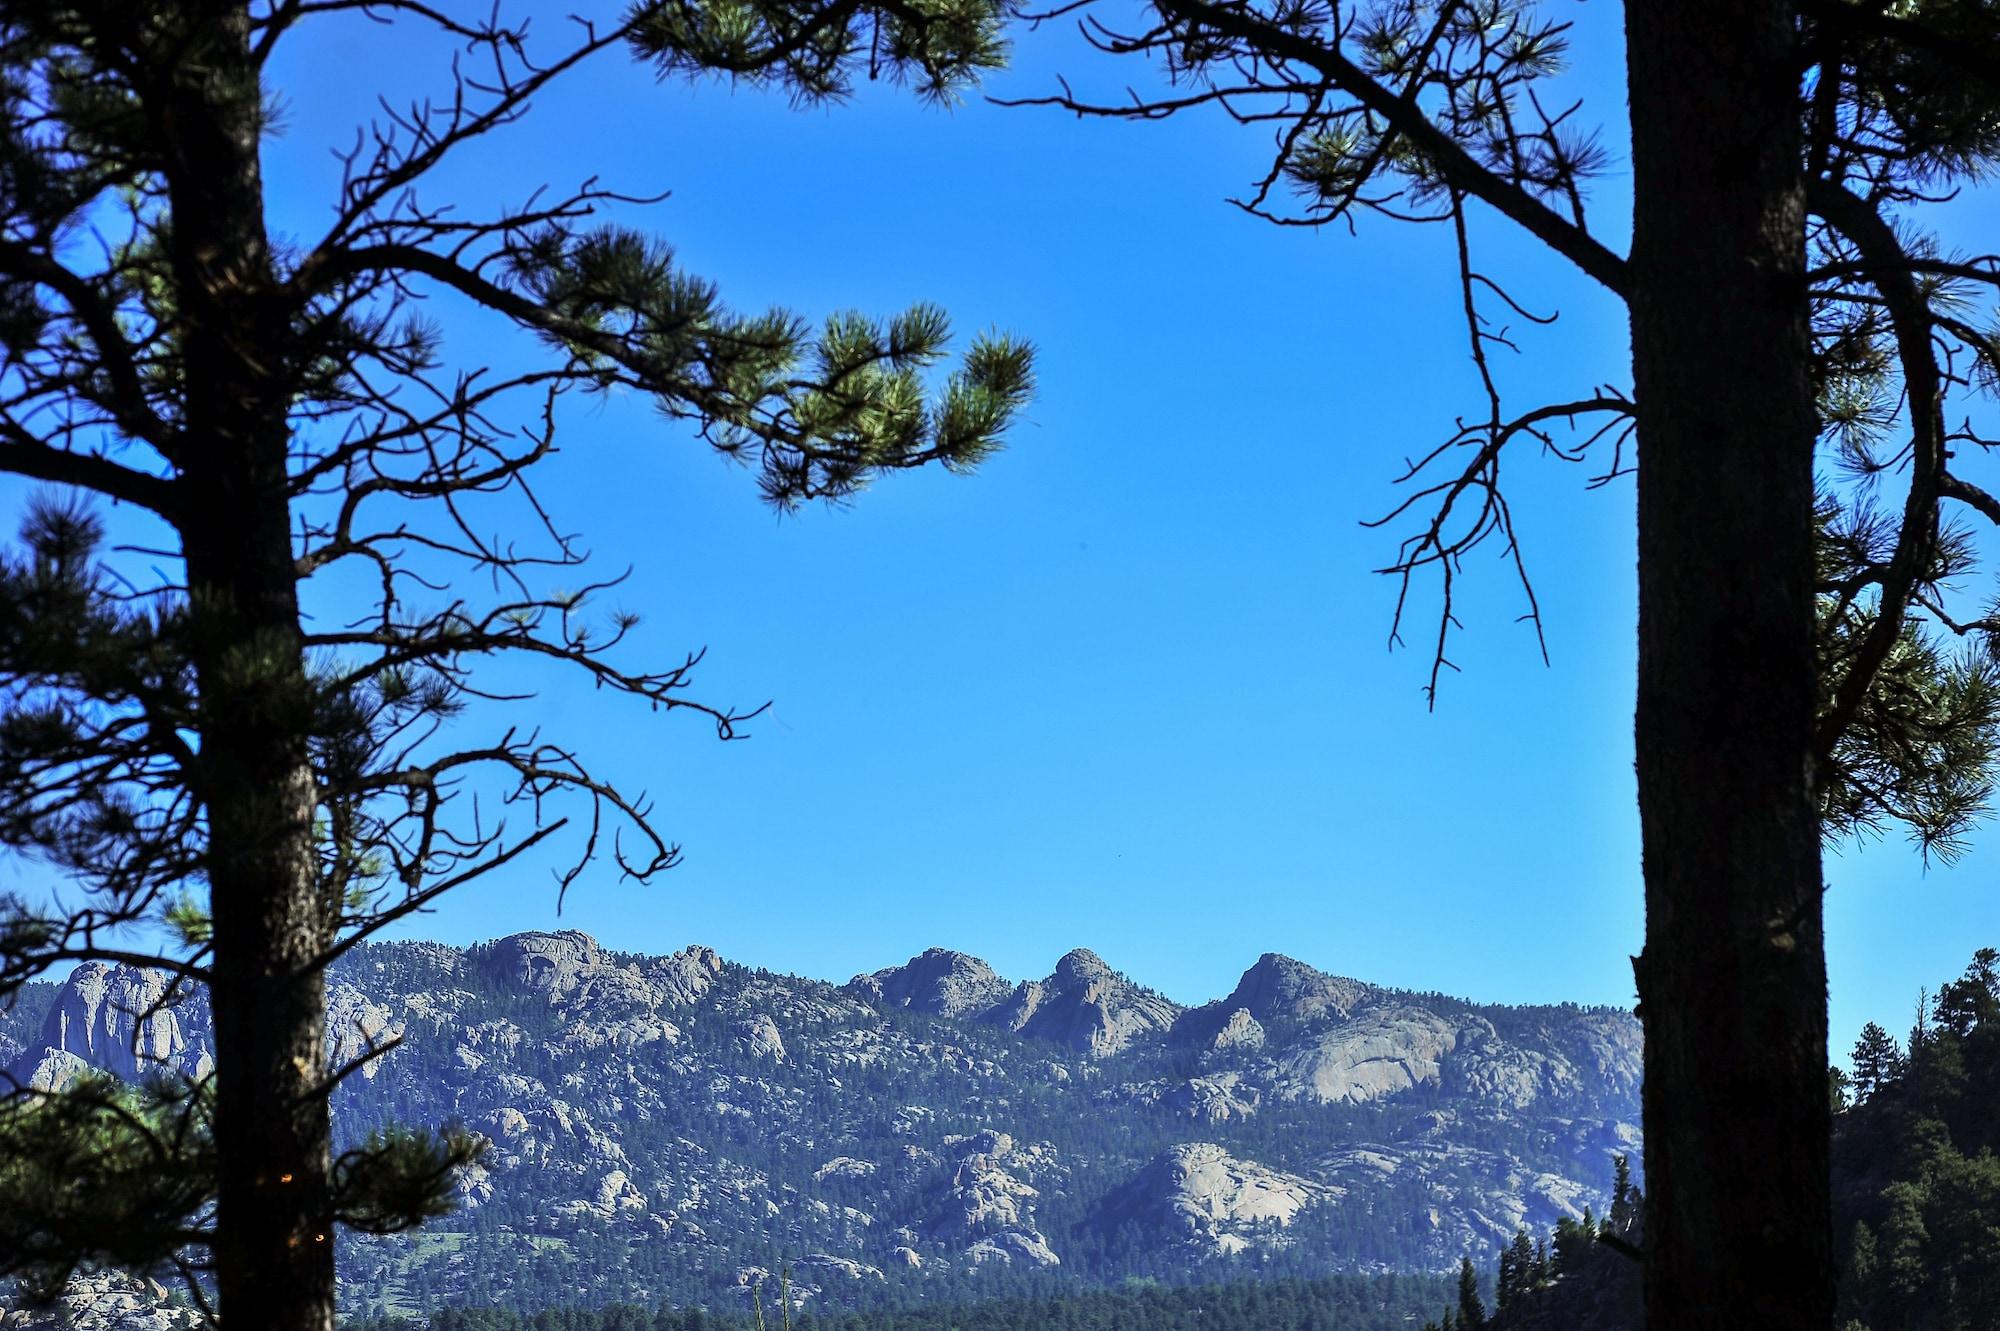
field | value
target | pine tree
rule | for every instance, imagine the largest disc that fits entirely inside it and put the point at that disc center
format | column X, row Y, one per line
column 1519, row 1270
column 1877, row 1058
column 1623, row 1220
column 185, row 746
column 1471, row 1310
column 1801, row 673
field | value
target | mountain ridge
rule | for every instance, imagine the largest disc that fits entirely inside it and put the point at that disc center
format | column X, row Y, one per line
column 667, row 1126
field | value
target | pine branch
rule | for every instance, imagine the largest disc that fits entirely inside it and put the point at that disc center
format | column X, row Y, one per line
column 1910, row 315
column 1452, row 161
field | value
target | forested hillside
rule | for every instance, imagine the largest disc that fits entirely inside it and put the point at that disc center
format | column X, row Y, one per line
column 1916, row 1179
column 1338, row 1303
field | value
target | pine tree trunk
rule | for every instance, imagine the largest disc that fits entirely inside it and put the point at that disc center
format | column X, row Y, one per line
column 274, row 1254
column 1732, row 982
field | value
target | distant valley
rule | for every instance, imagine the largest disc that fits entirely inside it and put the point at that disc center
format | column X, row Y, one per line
column 682, row 1128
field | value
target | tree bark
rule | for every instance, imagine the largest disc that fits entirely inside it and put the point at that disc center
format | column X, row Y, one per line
column 1732, row 981
column 274, row 1265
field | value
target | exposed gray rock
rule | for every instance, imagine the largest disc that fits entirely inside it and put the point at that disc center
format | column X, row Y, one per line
column 105, row 1301
column 1279, row 988
column 911, row 1147
column 551, row 963
column 938, row 981
column 1384, row 1052
column 761, row 1038
column 842, row 1166
column 1213, row 1099
column 1199, row 1192
column 1085, row 1006
column 49, row 1070
column 357, row 1026
column 985, row 1210
column 124, row 1020
column 1012, row 1245
column 685, row 976
column 824, row 1265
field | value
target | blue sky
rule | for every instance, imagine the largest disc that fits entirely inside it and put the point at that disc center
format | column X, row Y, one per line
column 1127, row 687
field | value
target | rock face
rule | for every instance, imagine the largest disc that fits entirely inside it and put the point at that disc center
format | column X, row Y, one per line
column 1382, row 1053
column 357, row 1026
column 661, row 1123
column 685, row 976
column 1085, row 1006
column 554, row 964
column 939, row 981
column 118, row 1018
column 761, row 1038
column 1200, row 1193
column 985, row 1210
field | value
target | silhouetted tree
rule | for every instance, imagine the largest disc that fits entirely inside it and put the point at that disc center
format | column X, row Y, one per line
column 1785, row 308
column 1877, row 1058
column 192, row 753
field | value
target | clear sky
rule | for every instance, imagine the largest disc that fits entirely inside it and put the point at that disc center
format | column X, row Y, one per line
column 1128, row 687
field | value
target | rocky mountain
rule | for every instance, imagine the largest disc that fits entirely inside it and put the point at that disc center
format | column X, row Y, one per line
column 682, row 1127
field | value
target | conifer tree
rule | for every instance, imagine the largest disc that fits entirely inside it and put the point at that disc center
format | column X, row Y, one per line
column 1806, row 667
column 1471, row 1309
column 193, row 755
column 1877, row 1058
column 1623, row 1220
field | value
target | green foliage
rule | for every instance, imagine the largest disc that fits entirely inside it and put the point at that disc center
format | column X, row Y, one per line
column 1471, row 1310
column 1922, row 749
column 398, row 1178
column 100, row 1169
column 1916, row 1188
column 1915, row 1166
column 814, row 49
column 127, row 707
column 1340, row 1303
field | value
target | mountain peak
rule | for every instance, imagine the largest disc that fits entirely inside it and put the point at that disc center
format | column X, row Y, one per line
column 1086, row 1006
column 1080, row 963
column 1283, row 988
column 937, row 980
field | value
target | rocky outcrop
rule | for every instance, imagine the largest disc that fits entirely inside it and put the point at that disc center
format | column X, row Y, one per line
column 550, row 963
column 130, row 1022
column 843, row 1166
column 1382, row 1053
column 1279, row 990
column 684, row 977
column 938, row 981
column 1085, row 1006
column 984, row 1209
column 761, row 1039
column 356, row 1027
column 105, row 1301
column 1220, row 1098
column 49, row 1070
column 1198, row 1192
